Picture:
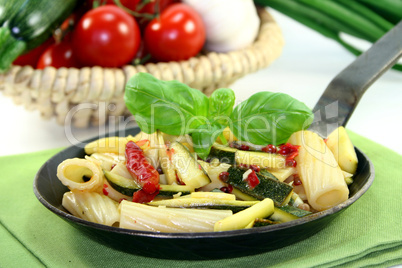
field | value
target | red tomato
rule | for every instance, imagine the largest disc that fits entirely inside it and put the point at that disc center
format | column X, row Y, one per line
column 106, row 36
column 31, row 58
column 177, row 34
column 58, row 55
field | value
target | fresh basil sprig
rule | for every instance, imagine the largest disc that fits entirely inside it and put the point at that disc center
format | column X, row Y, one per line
column 172, row 107
column 176, row 109
column 268, row 117
column 221, row 104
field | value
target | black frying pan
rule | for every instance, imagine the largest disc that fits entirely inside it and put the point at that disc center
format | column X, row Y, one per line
column 345, row 91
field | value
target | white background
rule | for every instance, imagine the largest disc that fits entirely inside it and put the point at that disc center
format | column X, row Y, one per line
column 308, row 63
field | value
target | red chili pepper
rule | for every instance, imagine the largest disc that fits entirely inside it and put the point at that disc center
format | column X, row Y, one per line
column 143, row 172
column 252, row 180
column 143, row 197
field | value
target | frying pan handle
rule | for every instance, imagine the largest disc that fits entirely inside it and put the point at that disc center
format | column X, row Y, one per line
column 339, row 100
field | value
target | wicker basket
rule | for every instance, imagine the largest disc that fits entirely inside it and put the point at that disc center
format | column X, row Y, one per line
column 89, row 96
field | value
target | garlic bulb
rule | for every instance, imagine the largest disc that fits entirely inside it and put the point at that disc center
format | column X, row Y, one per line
column 229, row 24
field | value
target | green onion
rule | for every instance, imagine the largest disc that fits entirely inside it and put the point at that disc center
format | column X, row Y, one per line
column 364, row 19
column 368, row 13
column 389, row 9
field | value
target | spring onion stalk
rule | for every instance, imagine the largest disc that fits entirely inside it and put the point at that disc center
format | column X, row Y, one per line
column 368, row 13
column 354, row 20
column 390, row 9
column 361, row 19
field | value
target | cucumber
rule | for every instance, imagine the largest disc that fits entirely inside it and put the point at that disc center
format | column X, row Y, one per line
column 202, row 203
column 267, row 187
column 129, row 186
column 187, row 168
column 288, row 213
column 233, row 156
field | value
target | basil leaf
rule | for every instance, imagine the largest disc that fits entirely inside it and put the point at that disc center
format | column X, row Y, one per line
column 204, row 137
column 221, row 104
column 269, row 118
column 170, row 106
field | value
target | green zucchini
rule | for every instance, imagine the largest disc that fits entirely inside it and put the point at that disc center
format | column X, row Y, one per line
column 261, row 159
column 224, row 154
column 264, row 222
column 173, row 189
column 267, row 174
column 8, row 8
column 202, row 203
column 267, row 187
column 129, row 186
column 30, row 26
column 246, row 218
column 288, row 213
column 122, row 184
column 233, row 156
column 295, row 211
column 187, row 168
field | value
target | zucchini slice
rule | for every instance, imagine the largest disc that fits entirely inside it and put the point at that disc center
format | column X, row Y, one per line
column 188, row 169
column 224, row 154
column 128, row 186
column 261, row 159
column 122, row 184
column 245, row 218
column 201, row 203
column 172, row 189
column 232, row 156
column 288, row 213
column 166, row 165
column 264, row 222
column 295, row 211
column 213, row 195
column 267, row 187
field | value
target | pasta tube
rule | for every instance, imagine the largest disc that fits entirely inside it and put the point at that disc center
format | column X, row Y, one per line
column 80, row 174
column 92, row 206
column 213, row 172
column 161, row 219
column 282, row 173
column 106, row 160
column 319, row 171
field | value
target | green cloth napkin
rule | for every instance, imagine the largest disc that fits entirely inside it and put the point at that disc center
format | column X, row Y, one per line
column 369, row 233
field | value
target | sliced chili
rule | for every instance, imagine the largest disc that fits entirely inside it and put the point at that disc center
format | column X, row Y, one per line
column 143, row 172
